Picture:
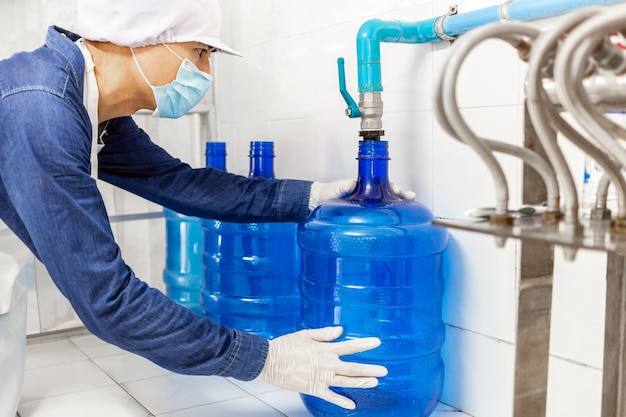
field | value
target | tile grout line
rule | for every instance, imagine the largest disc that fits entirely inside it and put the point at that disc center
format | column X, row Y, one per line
column 117, row 383
column 251, row 394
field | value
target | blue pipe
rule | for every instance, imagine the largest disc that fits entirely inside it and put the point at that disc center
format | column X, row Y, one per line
column 370, row 35
column 375, row 31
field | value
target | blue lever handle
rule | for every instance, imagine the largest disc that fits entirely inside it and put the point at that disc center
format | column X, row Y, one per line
column 353, row 109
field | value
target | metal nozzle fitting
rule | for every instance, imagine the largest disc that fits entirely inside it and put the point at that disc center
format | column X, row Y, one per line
column 552, row 217
column 618, row 225
column 371, row 107
column 501, row 219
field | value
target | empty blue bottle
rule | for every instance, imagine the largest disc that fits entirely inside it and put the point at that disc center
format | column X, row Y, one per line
column 251, row 269
column 183, row 259
column 372, row 263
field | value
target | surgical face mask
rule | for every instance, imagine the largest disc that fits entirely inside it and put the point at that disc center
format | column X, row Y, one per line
column 181, row 95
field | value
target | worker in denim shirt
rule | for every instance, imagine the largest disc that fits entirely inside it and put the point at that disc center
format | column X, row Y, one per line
column 65, row 119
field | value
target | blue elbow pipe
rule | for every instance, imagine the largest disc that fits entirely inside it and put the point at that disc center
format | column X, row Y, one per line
column 375, row 31
column 370, row 35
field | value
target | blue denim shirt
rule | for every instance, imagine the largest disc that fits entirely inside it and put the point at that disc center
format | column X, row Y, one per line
column 50, row 201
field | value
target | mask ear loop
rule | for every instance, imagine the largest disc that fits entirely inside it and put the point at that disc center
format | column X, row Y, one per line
column 175, row 54
column 182, row 60
column 139, row 67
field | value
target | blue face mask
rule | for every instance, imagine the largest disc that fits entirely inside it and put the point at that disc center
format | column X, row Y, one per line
column 181, row 95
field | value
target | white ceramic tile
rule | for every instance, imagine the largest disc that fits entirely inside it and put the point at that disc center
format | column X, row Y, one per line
column 240, row 407
column 464, row 6
column 129, row 367
column 573, row 390
column 461, row 180
column 101, row 402
column 481, row 281
column 411, row 152
column 244, row 92
column 95, row 347
column 293, row 17
column 479, row 83
column 479, row 374
column 287, row 402
column 578, row 304
column 329, row 44
column 314, row 150
column 254, row 387
column 407, row 77
column 253, row 23
column 302, row 17
column 52, row 353
column 62, row 379
column 291, row 83
column 177, row 392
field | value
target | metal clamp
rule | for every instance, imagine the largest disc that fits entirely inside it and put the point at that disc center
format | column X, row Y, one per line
column 503, row 11
column 439, row 24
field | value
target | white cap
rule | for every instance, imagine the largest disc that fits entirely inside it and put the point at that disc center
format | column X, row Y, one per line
column 136, row 23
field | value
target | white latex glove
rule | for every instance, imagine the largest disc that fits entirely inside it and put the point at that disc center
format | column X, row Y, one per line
column 324, row 191
column 305, row 362
column 406, row 194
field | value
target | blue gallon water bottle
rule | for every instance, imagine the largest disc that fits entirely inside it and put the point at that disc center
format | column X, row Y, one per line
column 372, row 263
column 183, row 234
column 251, row 269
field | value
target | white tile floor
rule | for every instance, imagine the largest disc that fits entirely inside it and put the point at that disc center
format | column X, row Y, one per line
column 74, row 374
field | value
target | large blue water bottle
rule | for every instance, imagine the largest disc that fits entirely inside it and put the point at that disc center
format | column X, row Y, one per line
column 251, row 269
column 183, row 235
column 372, row 263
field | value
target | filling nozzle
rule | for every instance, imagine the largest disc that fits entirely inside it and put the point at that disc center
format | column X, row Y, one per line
column 369, row 38
column 371, row 108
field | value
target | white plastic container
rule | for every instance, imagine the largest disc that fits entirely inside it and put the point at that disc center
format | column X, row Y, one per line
column 12, row 335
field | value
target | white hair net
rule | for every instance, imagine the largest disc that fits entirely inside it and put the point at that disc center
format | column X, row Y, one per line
column 136, row 23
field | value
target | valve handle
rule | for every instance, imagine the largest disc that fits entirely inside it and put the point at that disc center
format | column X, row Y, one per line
column 353, row 109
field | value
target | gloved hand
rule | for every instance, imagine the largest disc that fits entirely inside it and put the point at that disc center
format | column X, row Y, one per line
column 324, row 191
column 406, row 194
column 303, row 361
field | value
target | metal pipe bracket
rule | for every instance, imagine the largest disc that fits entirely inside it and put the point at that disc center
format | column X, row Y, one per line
column 452, row 10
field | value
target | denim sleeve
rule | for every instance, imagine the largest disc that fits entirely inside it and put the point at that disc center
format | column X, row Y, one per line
column 130, row 160
column 49, row 199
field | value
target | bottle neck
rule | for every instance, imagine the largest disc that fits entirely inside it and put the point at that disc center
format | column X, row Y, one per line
column 216, row 155
column 261, row 159
column 373, row 182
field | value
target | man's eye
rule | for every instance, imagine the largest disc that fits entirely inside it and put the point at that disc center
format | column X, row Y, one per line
column 202, row 51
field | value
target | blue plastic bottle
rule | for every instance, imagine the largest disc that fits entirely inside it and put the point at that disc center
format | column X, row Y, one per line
column 183, row 259
column 251, row 269
column 372, row 263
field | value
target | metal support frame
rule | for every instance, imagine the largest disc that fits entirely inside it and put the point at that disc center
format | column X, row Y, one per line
column 614, row 373
column 535, row 296
column 532, row 348
column 534, row 304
